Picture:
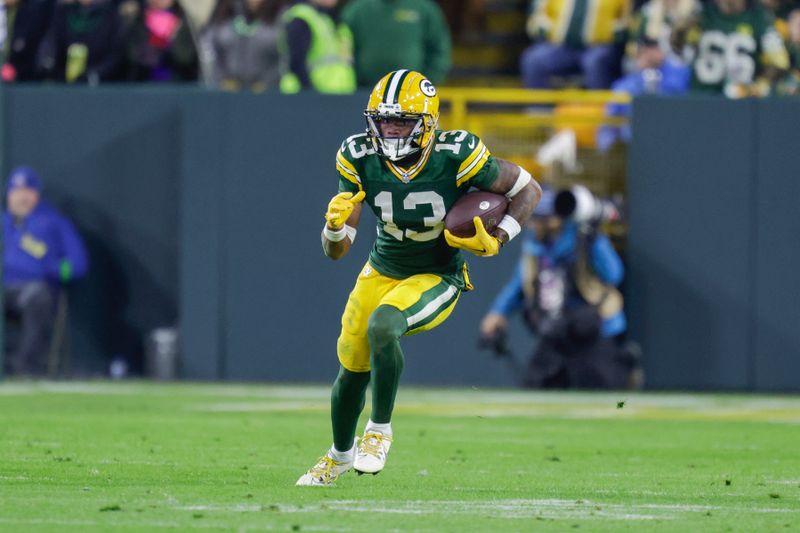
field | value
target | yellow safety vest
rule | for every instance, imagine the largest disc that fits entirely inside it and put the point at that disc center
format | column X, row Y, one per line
column 330, row 58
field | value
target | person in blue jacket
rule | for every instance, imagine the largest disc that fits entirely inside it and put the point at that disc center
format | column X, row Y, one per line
column 42, row 251
column 655, row 73
column 565, row 285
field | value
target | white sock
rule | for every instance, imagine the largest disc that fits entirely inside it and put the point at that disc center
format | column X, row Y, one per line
column 342, row 457
column 383, row 429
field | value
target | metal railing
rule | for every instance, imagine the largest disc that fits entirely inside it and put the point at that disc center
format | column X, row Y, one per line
column 517, row 124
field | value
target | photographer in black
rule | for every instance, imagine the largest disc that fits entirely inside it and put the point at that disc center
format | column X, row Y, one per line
column 565, row 286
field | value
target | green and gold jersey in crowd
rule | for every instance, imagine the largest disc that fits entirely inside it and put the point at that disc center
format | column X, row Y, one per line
column 410, row 204
column 789, row 84
column 734, row 49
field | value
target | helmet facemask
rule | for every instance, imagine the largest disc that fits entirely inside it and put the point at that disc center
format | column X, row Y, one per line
column 397, row 148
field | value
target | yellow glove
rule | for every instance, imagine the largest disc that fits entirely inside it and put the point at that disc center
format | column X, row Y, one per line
column 480, row 244
column 341, row 206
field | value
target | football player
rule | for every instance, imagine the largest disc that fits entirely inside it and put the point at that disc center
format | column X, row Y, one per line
column 409, row 174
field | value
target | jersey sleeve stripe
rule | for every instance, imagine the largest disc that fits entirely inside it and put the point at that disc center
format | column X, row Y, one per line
column 348, row 175
column 474, row 168
column 471, row 158
column 341, row 159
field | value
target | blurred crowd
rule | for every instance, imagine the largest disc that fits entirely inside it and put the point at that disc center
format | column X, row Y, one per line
column 734, row 47
column 567, row 279
column 255, row 45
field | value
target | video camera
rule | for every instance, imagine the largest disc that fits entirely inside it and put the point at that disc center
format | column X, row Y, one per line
column 579, row 204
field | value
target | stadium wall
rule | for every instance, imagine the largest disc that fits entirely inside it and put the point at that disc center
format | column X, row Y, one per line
column 713, row 219
column 203, row 209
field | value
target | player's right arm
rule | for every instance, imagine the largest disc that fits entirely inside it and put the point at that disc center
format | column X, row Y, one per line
column 344, row 209
column 341, row 221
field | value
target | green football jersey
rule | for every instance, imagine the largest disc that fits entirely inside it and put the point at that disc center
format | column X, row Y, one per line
column 410, row 204
column 733, row 49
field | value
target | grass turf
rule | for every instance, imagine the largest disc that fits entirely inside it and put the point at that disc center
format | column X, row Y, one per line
column 147, row 457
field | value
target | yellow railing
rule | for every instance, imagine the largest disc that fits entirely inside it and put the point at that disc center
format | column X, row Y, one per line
column 458, row 99
column 516, row 123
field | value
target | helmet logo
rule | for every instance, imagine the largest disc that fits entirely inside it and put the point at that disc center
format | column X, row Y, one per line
column 483, row 206
column 427, row 88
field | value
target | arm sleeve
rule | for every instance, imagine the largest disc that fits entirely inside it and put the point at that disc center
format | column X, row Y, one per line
column 347, row 186
column 605, row 261
column 476, row 167
column 298, row 36
column 349, row 177
column 510, row 298
column 438, row 47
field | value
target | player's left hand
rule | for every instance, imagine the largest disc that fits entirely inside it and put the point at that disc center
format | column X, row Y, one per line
column 482, row 243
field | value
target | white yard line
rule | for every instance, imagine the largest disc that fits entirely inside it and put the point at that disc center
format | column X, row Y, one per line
column 507, row 509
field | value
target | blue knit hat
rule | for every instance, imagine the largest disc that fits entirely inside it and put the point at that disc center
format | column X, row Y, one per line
column 24, row 176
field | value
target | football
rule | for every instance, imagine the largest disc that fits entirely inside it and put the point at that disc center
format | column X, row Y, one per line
column 491, row 207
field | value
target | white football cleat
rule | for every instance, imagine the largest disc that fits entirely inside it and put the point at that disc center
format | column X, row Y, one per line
column 324, row 473
column 372, row 452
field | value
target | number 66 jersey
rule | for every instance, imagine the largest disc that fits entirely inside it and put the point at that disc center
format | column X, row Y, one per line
column 411, row 203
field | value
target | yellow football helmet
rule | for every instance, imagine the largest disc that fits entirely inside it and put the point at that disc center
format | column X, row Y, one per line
column 402, row 96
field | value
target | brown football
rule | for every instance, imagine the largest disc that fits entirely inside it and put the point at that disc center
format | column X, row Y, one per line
column 491, row 207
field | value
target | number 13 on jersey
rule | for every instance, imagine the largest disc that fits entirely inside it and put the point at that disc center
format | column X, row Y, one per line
column 411, row 202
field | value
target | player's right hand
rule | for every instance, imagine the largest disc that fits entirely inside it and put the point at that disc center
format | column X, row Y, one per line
column 340, row 207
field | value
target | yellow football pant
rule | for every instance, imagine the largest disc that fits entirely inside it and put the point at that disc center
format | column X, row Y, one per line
column 425, row 300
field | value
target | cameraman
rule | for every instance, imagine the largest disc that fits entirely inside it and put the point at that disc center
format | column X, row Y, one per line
column 566, row 287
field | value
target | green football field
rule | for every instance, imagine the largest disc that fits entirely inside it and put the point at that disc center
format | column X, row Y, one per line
column 148, row 457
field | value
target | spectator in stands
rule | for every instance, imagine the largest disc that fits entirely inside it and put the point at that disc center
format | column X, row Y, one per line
column 656, row 20
column 565, row 287
column 27, row 21
column 316, row 50
column 416, row 29
column 586, row 38
column 654, row 73
column 42, row 251
column 737, row 50
column 240, row 45
column 161, row 46
column 86, row 42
